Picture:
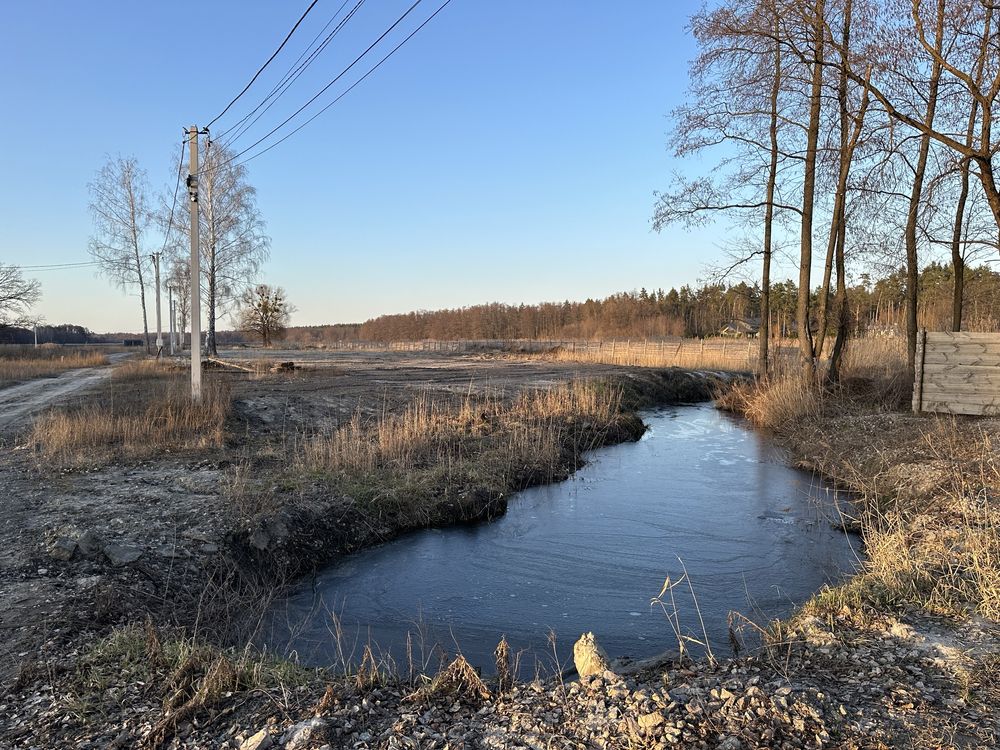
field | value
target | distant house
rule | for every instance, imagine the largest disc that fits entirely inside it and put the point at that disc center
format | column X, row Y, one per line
column 740, row 329
column 133, row 342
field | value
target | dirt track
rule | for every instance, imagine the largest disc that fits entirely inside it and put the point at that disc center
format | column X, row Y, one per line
column 21, row 402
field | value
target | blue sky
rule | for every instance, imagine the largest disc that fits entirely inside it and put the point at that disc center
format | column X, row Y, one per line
column 508, row 153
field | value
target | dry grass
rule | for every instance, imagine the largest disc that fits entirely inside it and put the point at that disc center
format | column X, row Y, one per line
column 941, row 551
column 146, row 409
column 721, row 355
column 186, row 675
column 18, row 363
column 865, row 357
column 470, row 453
column 774, row 402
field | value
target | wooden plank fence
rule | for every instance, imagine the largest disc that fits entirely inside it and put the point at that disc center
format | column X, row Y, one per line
column 957, row 373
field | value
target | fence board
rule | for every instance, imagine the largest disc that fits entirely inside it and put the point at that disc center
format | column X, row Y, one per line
column 957, row 373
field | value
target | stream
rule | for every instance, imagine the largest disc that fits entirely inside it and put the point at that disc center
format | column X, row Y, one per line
column 701, row 492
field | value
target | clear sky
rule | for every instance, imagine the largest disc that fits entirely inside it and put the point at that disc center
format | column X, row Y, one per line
column 508, row 153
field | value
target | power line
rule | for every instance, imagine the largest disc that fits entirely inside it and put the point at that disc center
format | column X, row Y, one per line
column 56, row 266
column 348, row 90
column 292, row 74
column 173, row 203
column 261, row 69
column 324, row 89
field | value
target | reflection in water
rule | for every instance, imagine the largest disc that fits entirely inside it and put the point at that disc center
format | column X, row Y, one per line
column 589, row 553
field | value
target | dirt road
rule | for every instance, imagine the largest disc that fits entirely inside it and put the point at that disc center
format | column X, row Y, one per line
column 21, row 402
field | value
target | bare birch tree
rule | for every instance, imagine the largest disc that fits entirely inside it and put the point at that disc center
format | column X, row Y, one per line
column 118, row 203
column 233, row 242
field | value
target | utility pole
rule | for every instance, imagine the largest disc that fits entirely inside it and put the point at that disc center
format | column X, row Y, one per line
column 192, row 184
column 159, row 327
column 170, row 315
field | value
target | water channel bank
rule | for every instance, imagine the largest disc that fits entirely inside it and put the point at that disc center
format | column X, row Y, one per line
column 701, row 492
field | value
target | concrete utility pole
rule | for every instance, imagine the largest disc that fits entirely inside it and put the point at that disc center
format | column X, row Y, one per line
column 192, row 183
column 159, row 327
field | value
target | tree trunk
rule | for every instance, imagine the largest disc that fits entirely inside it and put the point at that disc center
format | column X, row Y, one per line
column 848, row 143
column 806, row 352
column 133, row 219
column 211, row 302
column 772, row 175
column 957, row 259
column 910, row 233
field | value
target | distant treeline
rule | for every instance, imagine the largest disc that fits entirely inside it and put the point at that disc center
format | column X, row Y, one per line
column 877, row 306
column 689, row 311
column 67, row 333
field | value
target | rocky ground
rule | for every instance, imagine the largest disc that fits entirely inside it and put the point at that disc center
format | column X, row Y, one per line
column 88, row 555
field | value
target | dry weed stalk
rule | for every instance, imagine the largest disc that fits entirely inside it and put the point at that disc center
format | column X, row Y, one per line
column 458, row 679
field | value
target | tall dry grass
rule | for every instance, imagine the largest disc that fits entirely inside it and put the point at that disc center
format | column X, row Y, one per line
column 723, row 355
column 430, row 432
column 873, row 378
column 144, row 410
column 942, row 552
column 470, row 453
column 18, row 364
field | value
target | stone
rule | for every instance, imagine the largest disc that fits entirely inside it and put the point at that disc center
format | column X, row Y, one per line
column 89, row 542
column 589, row 657
column 62, row 548
column 650, row 720
column 729, row 743
column 304, row 734
column 122, row 554
column 260, row 741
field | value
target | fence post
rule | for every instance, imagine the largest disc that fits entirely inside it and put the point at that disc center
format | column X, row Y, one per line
column 918, row 381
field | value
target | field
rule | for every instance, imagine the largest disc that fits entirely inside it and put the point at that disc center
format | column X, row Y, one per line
column 20, row 363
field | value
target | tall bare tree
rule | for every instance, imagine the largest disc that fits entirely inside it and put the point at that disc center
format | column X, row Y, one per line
column 118, row 203
column 737, row 85
column 17, row 295
column 233, row 242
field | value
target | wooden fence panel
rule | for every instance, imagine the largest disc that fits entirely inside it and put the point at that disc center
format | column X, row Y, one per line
column 957, row 373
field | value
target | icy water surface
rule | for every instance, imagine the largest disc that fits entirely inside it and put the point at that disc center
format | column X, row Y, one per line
column 588, row 554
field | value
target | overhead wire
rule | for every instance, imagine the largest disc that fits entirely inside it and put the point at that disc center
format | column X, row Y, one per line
column 173, row 203
column 322, row 90
column 291, row 75
column 344, row 93
column 262, row 67
column 56, row 266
